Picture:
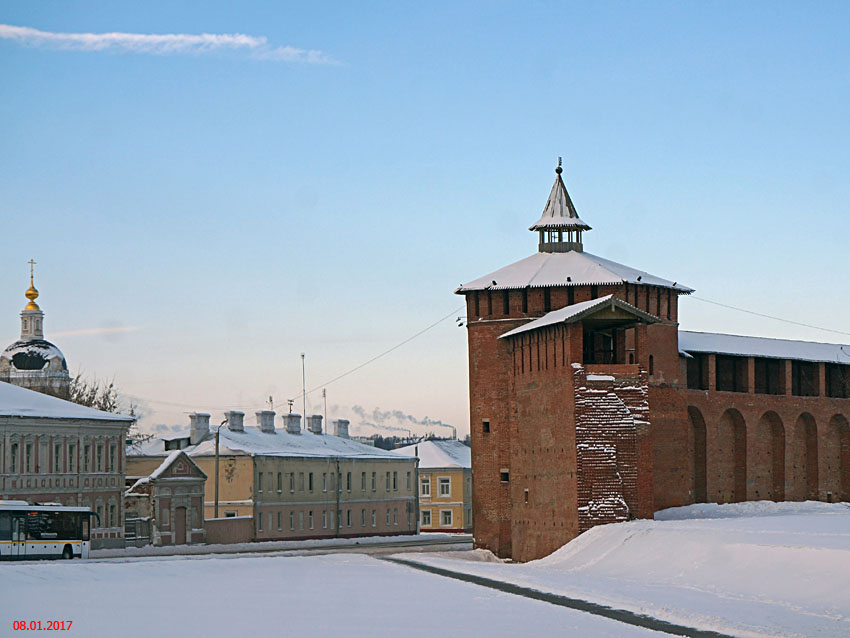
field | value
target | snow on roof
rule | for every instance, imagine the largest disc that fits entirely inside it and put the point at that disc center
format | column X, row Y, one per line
column 715, row 343
column 439, row 454
column 32, row 354
column 254, row 442
column 559, row 211
column 164, row 465
column 21, row 402
column 576, row 311
column 565, row 269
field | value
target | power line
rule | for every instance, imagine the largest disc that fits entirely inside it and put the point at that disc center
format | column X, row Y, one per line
column 322, row 385
column 759, row 314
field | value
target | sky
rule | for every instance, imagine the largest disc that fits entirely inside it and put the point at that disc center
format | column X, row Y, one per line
column 211, row 189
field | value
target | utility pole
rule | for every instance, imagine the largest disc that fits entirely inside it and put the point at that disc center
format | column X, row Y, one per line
column 218, row 430
column 325, row 398
column 303, row 393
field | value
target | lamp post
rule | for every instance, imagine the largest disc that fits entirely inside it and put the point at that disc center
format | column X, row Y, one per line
column 215, row 510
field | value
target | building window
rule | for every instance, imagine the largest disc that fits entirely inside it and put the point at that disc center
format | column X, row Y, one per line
column 445, row 486
column 651, row 365
column 324, row 519
column 445, row 518
column 279, row 482
column 362, row 481
column 278, row 521
column 14, row 457
column 547, row 300
column 300, row 520
column 395, row 481
column 374, row 518
column 363, row 517
column 339, row 480
column 348, row 481
column 260, row 523
column 333, row 474
column 348, row 518
column 112, row 467
column 332, row 518
column 504, row 476
column 86, row 457
column 310, row 518
column 300, row 481
column 112, row 517
column 292, row 521
column 485, row 426
column 388, row 516
column 388, row 482
column 291, row 482
column 99, row 457
column 837, row 380
column 395, row 516
column 229, row 514
column 310, row 482
column 259, row 481
column 324, row 481
column 426, row 518
column 374, row 481
column 425, row 485
column 28, row 458
column 408, row 481
column 72, row 458
column 270, row 521
column 57, row 457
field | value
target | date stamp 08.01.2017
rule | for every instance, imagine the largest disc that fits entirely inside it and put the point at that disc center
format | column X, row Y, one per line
column 41, row 625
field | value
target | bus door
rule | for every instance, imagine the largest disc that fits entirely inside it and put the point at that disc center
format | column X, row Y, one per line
column 19, row 537
column 85, row 535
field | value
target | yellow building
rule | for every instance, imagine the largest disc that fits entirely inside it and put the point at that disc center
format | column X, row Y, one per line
column 445, row 485
column 294, row 483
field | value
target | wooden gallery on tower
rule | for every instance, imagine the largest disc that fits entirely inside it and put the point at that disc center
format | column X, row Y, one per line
column 588, row 405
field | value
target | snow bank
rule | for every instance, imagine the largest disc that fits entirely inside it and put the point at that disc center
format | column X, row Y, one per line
column 750, row 569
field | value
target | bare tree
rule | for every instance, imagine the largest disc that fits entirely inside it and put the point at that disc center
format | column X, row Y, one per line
column 103, row 395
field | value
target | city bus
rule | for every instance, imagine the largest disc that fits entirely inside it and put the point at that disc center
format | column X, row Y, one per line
column 30, row 532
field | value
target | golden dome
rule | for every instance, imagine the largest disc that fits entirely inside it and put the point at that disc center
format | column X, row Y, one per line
column 31, row 293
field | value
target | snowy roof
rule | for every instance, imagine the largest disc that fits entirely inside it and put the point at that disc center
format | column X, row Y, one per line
column 169, row 460
column 439, row 454
column 21, row 402
column 578, row 311
column 715, row 343
column 253, row 442
column 33, row 354
column 559, row 211
column 565, row 269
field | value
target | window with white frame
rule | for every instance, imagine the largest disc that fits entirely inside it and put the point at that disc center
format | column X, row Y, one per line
column 362, row 481
column 425, row 485
column 388, row 516
column 374, row 518
column 324, row 481
column 395, row 516
column 310, row 518
column 426, row 518
column 324, row 519
column 348, row 518
column 388, row 482
column 363, row 517
column 445, row 518
column 278, row 521
column 445, row 486
column 292, row 482
column 279, row 482
column 291, row 520
column 374, row 481
column 300, row 520
column 260, row 483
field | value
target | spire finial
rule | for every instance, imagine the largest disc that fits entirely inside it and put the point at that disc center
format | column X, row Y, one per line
column 31, row 293
column 559, row 170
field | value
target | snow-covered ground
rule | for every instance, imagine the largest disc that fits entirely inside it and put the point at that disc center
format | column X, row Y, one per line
column 224, row 596
column 748, row 569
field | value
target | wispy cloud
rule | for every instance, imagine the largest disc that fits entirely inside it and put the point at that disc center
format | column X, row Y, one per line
column 164, row 43
column 105, row 330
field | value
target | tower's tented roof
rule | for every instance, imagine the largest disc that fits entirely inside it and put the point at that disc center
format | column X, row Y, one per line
column 566, row 269
column 559, row 212
column 34, row 354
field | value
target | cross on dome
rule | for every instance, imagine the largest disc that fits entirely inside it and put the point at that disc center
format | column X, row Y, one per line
column 559, row 226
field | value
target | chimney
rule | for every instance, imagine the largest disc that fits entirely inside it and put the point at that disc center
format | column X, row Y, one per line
column 293, row 423
column 315, row 423
column 235, row 420
column 199, row 427
column 265, row 419
column 340, row 428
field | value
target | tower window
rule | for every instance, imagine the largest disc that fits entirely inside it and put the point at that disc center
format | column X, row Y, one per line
column 525, row 300
column 504, row 476
column 485, row 426
column 547, row 300
column 571, row 296
column 506, row 302
column 651, row 365
column 594, row 292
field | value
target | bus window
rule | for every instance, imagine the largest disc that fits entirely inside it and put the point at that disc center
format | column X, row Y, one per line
column 85, row 535
column 5, row 526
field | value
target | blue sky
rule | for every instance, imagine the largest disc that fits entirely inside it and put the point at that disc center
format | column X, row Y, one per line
column 201, row 216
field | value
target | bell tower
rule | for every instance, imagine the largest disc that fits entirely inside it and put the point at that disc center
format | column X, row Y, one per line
column 32, row 317
column 559, row 226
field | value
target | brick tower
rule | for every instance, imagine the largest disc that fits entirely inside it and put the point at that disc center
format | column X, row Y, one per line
column 567, row 352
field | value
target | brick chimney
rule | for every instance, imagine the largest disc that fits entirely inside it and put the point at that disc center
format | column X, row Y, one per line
column 293, row 423
column 315, row 423
column 340, row 428
column 235, row 421
column 265, row 419
column 199, row 427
